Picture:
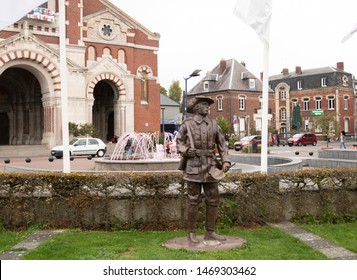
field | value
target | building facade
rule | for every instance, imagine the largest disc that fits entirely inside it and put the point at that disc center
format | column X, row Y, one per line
column 112, row 70
column 326, row 90
column 238, row 96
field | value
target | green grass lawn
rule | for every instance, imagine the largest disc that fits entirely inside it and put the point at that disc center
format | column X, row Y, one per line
column 263, row 243
column 11, row 238
column 343, row 234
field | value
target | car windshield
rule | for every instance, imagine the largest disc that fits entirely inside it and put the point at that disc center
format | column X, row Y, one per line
column 298, row 135
column 73, row 141
column 246, row 138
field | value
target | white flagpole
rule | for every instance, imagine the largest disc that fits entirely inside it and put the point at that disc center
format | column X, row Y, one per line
column 264, row 149
column 257, row 15
column 64, row 87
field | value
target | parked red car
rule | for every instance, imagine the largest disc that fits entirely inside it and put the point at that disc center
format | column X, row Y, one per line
column 239, row 145
column 303, row 139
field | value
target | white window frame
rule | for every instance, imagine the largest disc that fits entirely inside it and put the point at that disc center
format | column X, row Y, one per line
column 331, row 102
column 294, row 102
column 299, row 84
column 251, row 83
column 345, row 103
column 318, row 102
column 241, row 100
column 282, row 94
column 220, row 103
column 324, row 82
column 241, row 124
column 205, row 86
column 305, row 104
column 283, row 114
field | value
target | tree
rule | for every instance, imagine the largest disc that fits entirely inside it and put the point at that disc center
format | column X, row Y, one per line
column 175, row 91
column 327, row 124
column 86, row 129
column 224, row 124
column 163, row 90
column 296, row 118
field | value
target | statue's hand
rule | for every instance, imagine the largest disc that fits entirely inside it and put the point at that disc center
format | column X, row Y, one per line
column 226, row 166
column 190, row 153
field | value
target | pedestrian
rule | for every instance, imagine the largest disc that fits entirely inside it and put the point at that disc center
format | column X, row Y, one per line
column 342, row 139
column 198, row 139
column 277, row 138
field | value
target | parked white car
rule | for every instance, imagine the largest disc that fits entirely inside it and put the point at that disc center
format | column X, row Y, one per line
column 82, row 147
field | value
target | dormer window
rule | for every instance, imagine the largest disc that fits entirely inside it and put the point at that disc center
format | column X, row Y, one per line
column 206, row 86
column 251, row 83
column 324, row 82
column 299, row 85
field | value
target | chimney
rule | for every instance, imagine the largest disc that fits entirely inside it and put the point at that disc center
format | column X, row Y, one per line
column 222, row 66
column 298, row 70
column 261, row 76
column 340, row 66
column 285, row 71
column 243, row 63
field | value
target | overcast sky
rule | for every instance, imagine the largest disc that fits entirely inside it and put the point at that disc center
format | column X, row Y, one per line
column 196, row 34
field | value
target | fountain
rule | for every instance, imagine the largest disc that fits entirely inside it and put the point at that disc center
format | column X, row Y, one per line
column 141, row 152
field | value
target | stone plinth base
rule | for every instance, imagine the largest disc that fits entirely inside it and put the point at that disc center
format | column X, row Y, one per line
column 232, row 242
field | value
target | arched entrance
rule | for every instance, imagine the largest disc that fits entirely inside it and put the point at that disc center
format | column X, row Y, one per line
column 20, row 98
column 103, row 110
column 4, row 128
column 110, row 123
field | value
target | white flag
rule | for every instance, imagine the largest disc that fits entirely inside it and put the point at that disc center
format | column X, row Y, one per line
column 256, row 14
column 349, row 35
column 12, row 10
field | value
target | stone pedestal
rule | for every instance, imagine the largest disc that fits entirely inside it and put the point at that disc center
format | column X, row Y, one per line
column 232, row 242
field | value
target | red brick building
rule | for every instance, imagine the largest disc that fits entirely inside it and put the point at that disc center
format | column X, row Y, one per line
column 237, row 94
column 112, row 64
column 325, row 90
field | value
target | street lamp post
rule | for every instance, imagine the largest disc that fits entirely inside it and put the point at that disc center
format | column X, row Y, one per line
column 163, row 120
column 193, row 74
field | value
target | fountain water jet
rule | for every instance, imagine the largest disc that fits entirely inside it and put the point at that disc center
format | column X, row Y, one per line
column 141, row 152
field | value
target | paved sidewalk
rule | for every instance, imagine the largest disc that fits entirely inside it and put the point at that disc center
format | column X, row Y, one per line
column 328, row 248
column 28, row 244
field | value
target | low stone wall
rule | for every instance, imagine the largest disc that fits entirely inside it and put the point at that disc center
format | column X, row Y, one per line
column 333, row 158
column 275, row 164
column 347, row 154
column 245, row 199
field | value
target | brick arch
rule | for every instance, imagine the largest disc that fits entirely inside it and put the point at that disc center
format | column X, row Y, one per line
column 107, row 76
column 37, row 58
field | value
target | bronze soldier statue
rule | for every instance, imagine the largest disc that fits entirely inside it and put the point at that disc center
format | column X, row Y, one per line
column 198, row 140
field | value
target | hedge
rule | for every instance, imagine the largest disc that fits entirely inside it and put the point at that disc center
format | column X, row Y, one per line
column 158, row 200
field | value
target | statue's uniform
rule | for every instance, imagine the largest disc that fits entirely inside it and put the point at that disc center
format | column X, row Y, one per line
column 207, row 140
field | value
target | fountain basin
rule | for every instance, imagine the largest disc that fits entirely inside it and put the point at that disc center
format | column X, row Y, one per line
column 142, row 165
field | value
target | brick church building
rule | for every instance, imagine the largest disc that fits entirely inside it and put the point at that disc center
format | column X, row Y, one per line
column 112, row 70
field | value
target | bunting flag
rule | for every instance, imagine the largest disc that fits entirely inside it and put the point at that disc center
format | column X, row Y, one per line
column 13, row 10
column 349, row 35
column 257, row 15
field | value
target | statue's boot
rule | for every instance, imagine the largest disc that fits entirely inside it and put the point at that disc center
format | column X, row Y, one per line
column 192, row 216
column 211, row 217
